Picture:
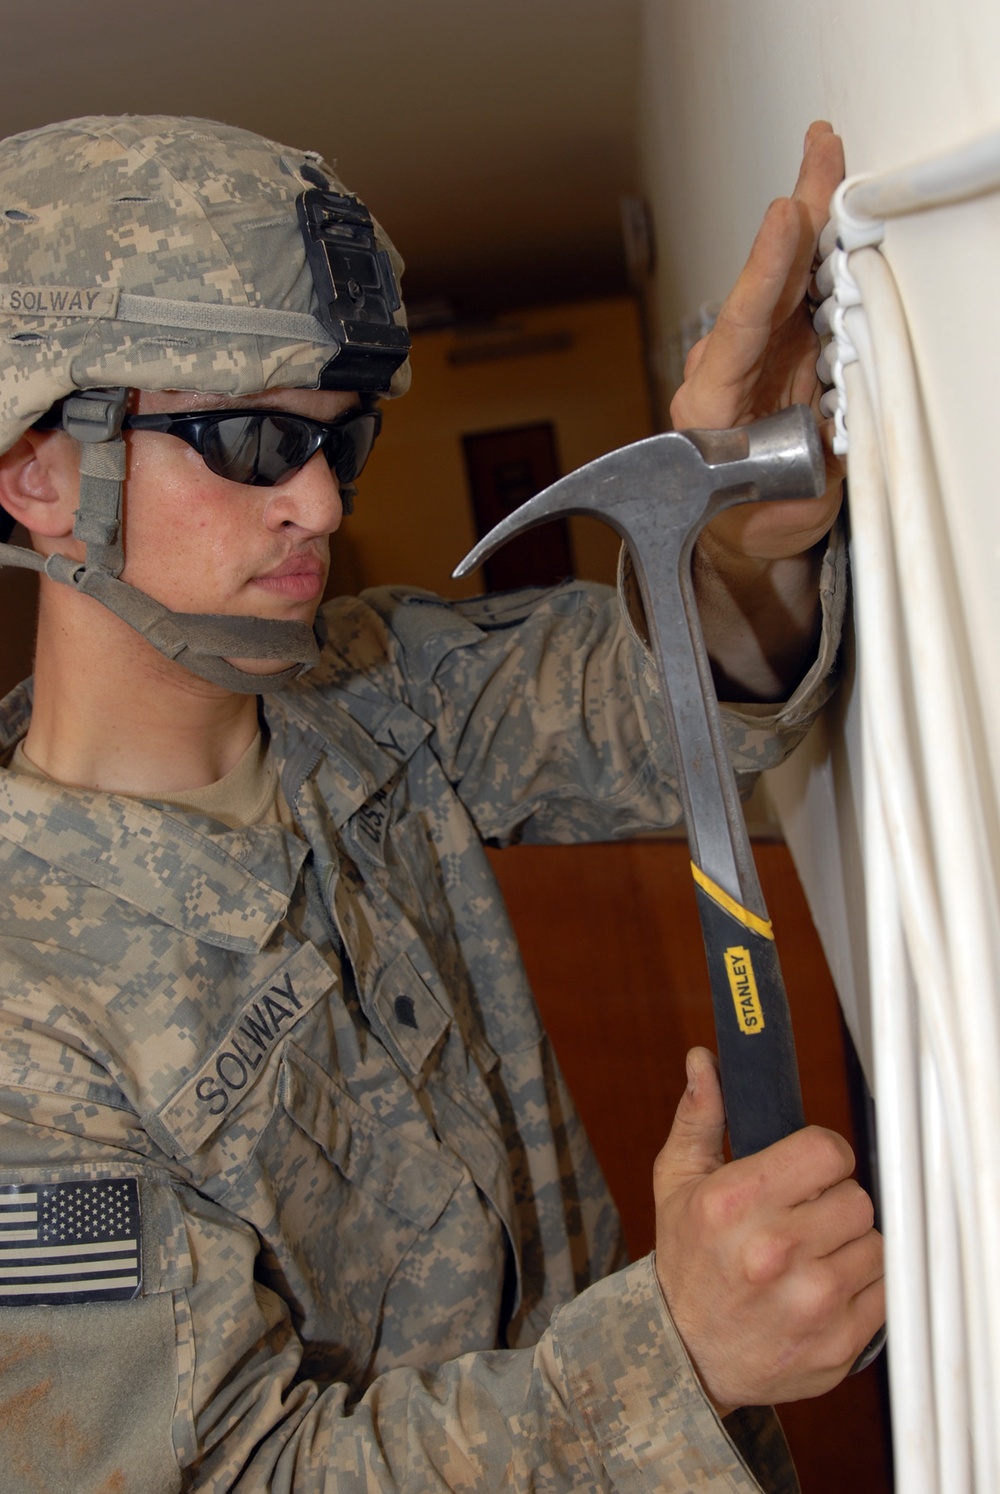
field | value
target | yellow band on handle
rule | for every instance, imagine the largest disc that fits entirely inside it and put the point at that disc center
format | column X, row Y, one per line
column 761, row 926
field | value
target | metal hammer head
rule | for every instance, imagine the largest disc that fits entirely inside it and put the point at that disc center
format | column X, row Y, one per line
column 677, row 482
column 658, row 494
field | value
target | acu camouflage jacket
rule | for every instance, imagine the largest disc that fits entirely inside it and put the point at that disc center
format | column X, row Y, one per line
column 304, row 1076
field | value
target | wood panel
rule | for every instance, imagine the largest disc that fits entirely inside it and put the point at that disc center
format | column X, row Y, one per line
column 612, row 944
column 18, row 605
column 505, row 468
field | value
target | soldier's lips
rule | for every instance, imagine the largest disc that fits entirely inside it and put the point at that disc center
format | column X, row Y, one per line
column 300, row 578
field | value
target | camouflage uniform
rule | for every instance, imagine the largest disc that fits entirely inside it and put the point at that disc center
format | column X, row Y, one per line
column 374, row 1243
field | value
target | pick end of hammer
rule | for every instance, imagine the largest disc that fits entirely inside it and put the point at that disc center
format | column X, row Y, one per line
column 468, row 564
column 535, row 511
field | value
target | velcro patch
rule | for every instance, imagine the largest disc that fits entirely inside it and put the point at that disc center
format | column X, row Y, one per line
column 70, row 1242
column 58, row 300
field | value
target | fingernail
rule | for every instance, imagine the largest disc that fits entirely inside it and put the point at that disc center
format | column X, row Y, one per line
column 692, row 1076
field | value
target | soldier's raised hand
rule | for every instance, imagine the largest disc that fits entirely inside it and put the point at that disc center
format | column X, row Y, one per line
column 761, row 354
column 757, row 565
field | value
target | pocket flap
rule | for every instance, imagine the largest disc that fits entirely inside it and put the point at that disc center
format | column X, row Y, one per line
column 411, row 1018
column 413, row 1181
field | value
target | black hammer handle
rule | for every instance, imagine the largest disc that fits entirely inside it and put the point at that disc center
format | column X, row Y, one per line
column 760, row 1075
column 757, row 1063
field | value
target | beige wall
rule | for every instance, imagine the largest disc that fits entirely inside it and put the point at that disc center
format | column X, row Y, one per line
column 414, row 520
column 728, row 88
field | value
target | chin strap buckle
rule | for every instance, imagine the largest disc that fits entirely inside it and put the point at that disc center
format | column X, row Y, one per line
column 94, row 414
column 94, row 418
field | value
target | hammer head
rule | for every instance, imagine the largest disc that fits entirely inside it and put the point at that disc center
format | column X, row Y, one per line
column 677, row 481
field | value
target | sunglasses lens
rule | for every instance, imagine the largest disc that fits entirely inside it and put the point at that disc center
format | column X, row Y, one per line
column 258, row 450
column 349, row 446
column 264, row 449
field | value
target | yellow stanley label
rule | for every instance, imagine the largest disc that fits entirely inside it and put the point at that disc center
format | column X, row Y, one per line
column 739, row 968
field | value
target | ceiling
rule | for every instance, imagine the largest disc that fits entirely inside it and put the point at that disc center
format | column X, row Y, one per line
column 493, row 138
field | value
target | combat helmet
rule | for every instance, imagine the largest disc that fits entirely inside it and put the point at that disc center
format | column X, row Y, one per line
column 158, row 253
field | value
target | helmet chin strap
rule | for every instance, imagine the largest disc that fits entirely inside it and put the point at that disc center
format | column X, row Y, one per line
column 203, row 643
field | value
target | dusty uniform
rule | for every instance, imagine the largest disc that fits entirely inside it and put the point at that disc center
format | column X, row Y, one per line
column 285, row 1152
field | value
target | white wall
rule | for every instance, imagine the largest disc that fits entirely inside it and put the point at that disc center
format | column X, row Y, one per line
column 727, row 90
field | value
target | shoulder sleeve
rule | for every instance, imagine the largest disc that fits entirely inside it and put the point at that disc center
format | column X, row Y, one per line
column 546, row 709
column 605, row 1401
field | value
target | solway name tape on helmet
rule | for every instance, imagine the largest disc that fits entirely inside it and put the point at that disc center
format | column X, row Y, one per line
column 158, row 253
column 56, row 303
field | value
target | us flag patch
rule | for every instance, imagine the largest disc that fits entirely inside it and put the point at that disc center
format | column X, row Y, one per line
column 70, row 1242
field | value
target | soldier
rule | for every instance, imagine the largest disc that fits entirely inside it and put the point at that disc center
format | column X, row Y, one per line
column 291, row 1194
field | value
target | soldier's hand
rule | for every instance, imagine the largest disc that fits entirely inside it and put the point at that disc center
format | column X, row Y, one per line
column 761, row 356
column 770, row 1265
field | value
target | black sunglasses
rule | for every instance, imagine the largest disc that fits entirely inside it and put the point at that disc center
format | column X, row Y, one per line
column 262, row 448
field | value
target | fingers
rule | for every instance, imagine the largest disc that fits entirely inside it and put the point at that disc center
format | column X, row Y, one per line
column 746, row 317
column 795, row 1171
column 820, row 173
column 860, row 1266
column 869, row 1317
column 694, row 1147
column 770, row 1265
column 839, row 1305
column 786, row 240
column 761, row 352
column 727, row 380
column 822, row 1232
column 834, row 1220
column 800, row 1167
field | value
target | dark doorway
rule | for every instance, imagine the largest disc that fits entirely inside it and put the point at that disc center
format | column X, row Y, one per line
column 505, row 469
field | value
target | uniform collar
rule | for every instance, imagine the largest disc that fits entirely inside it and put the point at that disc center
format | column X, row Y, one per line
column 230, row 888
column 353, row 740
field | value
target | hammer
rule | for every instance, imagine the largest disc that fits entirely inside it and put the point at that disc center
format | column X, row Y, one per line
column 657, row 494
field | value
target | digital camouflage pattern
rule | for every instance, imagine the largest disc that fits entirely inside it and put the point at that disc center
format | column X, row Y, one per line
column 182, row 210
column 375, row 1243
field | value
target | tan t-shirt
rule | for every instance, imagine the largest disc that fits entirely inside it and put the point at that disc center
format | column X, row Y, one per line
column 249, row 794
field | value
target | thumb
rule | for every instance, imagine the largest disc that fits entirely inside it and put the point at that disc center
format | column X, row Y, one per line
column 694, row 1147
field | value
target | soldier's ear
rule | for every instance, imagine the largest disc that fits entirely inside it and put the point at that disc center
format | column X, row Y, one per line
column 40, row 482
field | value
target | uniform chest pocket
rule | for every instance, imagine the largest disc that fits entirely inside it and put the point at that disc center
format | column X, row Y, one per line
column 351, row 1194
column 213, row 1116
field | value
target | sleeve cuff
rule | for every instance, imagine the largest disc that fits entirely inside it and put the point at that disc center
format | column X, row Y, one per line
column 639, row 1403
column 761, row 736
column 817, row 684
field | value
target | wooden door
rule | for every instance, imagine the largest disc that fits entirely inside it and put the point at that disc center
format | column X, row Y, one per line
column 505, row 468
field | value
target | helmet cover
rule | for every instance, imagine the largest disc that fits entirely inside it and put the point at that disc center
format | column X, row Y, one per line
column 151, row 206
column 159, row 253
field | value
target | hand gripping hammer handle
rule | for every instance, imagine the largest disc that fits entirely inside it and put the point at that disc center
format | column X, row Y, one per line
column 658, row 494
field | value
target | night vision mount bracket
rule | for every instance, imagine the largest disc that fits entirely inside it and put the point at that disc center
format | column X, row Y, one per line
column 355, row 286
